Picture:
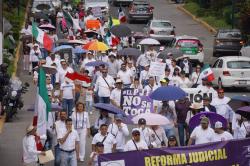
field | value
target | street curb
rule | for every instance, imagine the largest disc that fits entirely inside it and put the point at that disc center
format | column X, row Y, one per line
column 203, row 23
column 17, row 55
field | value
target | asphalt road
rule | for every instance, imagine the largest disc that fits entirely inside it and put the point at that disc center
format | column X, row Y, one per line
column 11, row 139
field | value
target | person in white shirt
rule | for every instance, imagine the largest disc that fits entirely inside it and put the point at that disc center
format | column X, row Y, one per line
column 146, row 133
column 136, row 143
column 30, row 152
column 220, row 134
column 88, row 59
column 104, row 85
column 125, row 75
column 144, row 75
column 202, row 133
column 115, row 97
column 104, row 118
column 63, row 70
column 242, row 127
column 106, row 138
column 151, row 86
column 99, row 149
column 196, row 76
column 69, row 145
column 67, row 95
column 160, row 137
column 142, row 61
column 81, row 124
column 103, row 57
column 60, row 127
column 120, row 131
column 131, row 68
column 53, row 59
column 113, row 66
column 173, row 66
column 136, row 84
column 184, row 81
column 35, row 56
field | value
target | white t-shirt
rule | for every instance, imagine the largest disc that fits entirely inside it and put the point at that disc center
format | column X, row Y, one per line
column 125, row 76
column 108, row 142
column 67, row 90
column 30, row 151
column 72, row 138
column 119, row 134
column 89, row 95
column 103, row 87
column 202, row 136
column 131, row 145
column 116, row 96
column 223, row 137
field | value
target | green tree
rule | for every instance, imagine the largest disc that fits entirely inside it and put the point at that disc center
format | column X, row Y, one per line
column 245, row 17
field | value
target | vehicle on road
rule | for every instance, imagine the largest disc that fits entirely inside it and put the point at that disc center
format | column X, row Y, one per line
column 227, row 41
column 232, row 71
column 122, row 2
column 190, row 46
column 103, row 4
column 44, row 6
column 140, row 11
column 161, row 30
column 245, row 50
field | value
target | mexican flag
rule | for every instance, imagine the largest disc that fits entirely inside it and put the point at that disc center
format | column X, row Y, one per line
column 71, row 22
column 121, row 15
column 207, row 72
column 110, row 22
column 42, row 104
column 42, row 37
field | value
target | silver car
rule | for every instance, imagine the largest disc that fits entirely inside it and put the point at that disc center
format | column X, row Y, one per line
column 44, row 6
column 162, row 30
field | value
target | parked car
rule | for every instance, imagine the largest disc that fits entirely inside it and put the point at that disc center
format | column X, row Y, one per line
column 245, row 50
column 57, row 3
column 227, row 41
column 122, row 2
column 161, row 30
column 190, row 46
column 140, row 10
column 44, row 6
column 232, row 71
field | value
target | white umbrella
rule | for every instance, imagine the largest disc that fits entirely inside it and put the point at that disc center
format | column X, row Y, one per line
column 80, row 42
column 152, row 119
column 149, row 41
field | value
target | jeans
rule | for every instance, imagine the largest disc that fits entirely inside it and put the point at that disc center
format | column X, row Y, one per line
column 68, row 105
column 89, row 106
column 44, row 53
column 77, row 96
column 169, row 132
column 181, row 131
column 104, row 100
column 57, row 161
column 68, row 159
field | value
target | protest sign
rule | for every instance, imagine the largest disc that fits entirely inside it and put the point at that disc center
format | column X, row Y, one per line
column 196, row 95
column 135, row 101
column 157, row 68
column 97, row 11
column 228, row 153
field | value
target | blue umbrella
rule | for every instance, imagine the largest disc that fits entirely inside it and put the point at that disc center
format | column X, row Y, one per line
column 166, row 93
column 109, row 108
column 213, row 118
column 244, row 111
column 237, row 101
column 56, row 49
column 79, row 51
column 96, row 63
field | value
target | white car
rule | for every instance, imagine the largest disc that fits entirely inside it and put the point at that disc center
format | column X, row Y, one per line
column 190, row 46
column 245, row 50
column 161, row 30
column 45, row 6
column 232, row 71
column 103, row 4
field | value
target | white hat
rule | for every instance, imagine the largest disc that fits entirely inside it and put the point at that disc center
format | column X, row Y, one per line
column 62, row 60
column 114, row 47
column 218, row 125
column 30, row 128
column 36, row 45
column 112, row 54
column 135, row 130
column 118, row 81
column 162, row 48
column 196, row 106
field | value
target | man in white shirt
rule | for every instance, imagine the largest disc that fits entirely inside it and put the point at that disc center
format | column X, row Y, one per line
column 67, row 95
column 106, row 138
column 52, row 59
column 131, row 68
column 202, row 134
column 60, row 127
column 69, row 145
column 151, row 86
column 220, row 134
column 88, row 59
column 142, row 61
column 136, row 143
column 144, row 75
column 35, row 56
column 125, row 75
column 63, row 70
column 103, row 57
column 104, row 85
column 30, row 152
column 113, row 66
column 115, row 97
column 120, row 131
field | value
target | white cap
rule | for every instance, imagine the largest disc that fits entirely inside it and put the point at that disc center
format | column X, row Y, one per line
column 112, row 54
column 135, row 130
column 36, row 45
column 218, row 125
column 162, row 48
column 62, row 60
column 118, row 81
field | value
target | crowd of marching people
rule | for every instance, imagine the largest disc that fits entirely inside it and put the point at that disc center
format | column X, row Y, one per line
column 68, row 129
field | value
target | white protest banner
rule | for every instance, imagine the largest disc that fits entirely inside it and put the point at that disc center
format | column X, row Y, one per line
column 157, row 68
column 97, row 11
column 196, row 95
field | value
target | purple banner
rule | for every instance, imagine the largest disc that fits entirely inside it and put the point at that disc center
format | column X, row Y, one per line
column 136, row 101
column 228, row 153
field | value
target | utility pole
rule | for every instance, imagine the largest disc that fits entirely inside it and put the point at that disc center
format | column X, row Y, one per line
column 1, row 32
column 233, row 11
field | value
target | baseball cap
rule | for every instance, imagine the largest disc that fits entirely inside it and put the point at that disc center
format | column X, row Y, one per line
column 218, row 125
column 62, row 60
column 141, row 121
column 118, row 116
column 172, row 138
column 135, row 130
column 204, row 120
column 103, row 52
column 36, row 45
column 163, row 80
column 161, row 48
column 112, row 54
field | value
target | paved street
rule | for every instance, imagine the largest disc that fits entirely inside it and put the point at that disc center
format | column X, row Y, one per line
column 11, row 139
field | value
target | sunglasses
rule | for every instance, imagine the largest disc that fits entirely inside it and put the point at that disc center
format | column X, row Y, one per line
column 136, row 134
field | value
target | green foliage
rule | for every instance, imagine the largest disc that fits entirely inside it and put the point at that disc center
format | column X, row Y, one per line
column 244, row 17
